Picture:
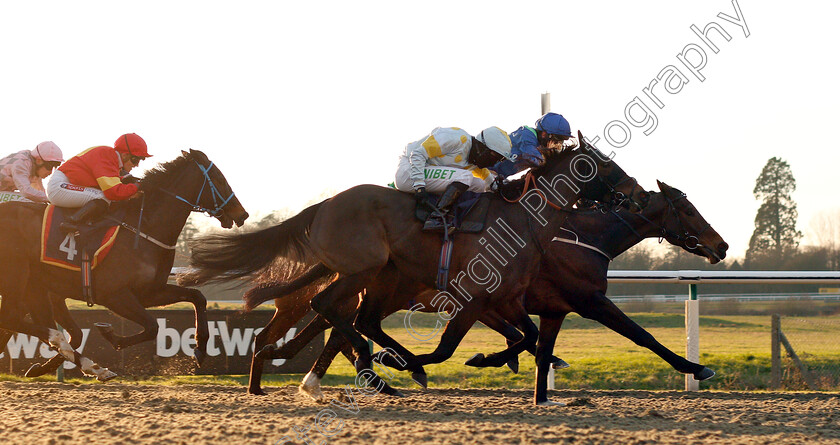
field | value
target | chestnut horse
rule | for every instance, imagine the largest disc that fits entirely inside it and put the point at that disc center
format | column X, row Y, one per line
column 134, row 274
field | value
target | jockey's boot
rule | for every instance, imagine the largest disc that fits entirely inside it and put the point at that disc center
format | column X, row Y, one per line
column 85, row 213
column 435, row 220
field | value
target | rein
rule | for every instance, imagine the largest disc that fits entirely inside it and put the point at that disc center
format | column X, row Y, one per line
column 531, row 182
column 140, row 234
column 219, row 201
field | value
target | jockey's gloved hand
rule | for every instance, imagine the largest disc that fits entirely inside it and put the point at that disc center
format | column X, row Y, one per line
column 420, row 194
column 497, row 183
column 570, row 143
column 128, row 179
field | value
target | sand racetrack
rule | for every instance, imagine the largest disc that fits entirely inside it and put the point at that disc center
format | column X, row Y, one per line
column 123, row 413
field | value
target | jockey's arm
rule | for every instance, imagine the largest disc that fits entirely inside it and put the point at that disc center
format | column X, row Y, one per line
column 23, row 182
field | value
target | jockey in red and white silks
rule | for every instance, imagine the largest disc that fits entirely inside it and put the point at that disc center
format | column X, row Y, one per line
column 25, row 170
column 95, row 173
column 441, row 158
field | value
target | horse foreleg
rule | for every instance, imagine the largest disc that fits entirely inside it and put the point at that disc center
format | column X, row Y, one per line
column 60, row 315
column 292, row 347
column 126, row 304
column 276, row 328
column 513, row 312
column 171, row 294
column 549, row 328
column 11, row 318
column 604, row 311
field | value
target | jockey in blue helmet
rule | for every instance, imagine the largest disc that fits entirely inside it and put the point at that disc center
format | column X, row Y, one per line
column 551, row 132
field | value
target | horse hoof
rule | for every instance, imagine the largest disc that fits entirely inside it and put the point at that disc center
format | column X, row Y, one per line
column 392, row 391
column 547, row 402
column 106, row 375
column 704, row 374
column 560, row 364
column 313, row 392
column 420, row 378
column 36, row 370
column 475, row 360
column 513, row 364
column 199, row 355
column 266, row 352
column 257, row 392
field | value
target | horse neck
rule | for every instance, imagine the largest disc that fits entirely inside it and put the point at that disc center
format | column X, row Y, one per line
column 627, row 229
column 163, row 217
column 563, row 189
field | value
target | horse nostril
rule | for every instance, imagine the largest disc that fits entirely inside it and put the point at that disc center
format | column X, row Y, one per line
column 723, row 247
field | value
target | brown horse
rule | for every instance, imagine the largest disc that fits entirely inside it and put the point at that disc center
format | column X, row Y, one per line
column 134, row 274
column 358, row 232
column 572, row 278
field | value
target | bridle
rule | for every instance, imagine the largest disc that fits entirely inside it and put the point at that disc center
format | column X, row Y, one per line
column 682, row 236
column 610, row 183
column 219, row 201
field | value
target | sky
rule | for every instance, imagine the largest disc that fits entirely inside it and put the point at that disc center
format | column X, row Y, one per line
column 297, row 100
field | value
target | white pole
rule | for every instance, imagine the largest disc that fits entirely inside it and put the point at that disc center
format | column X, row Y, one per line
column 545, row 102
column 692, row 335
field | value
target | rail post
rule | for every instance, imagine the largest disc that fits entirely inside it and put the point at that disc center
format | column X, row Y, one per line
column 692, row 335
column 775, row 352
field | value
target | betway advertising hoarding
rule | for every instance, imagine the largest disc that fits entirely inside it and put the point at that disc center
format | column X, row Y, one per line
column 229, row 350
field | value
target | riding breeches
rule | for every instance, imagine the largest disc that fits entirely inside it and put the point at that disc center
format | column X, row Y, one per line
column 63, row 193
column 438, row 178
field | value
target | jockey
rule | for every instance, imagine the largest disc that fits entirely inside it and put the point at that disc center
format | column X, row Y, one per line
column 552, row 132
column 25, row 170
column 91, row 179
column 450, row 160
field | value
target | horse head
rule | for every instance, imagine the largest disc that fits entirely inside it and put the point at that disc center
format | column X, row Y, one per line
column 683, row 226
column 610, row 183
column 213, row 194
column 588, row 173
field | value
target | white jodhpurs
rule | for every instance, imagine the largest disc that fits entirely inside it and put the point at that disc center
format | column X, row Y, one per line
column 63, row 193
column 438, row 178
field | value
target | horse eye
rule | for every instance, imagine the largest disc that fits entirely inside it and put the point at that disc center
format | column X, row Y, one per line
column 690, row 212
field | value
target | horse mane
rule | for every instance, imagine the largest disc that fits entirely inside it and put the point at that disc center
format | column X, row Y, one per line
column 162, row 174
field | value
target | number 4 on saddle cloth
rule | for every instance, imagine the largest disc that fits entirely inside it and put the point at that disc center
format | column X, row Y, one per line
column 73, row 250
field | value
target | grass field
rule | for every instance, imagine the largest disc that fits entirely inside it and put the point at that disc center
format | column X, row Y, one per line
column 736, row 347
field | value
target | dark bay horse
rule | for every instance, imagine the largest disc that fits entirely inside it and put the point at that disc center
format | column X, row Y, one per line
column 572, row 278
column 129, row 279
column 360, row 231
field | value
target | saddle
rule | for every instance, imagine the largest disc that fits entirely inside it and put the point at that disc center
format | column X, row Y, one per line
column 470, row 211
column 65, row 250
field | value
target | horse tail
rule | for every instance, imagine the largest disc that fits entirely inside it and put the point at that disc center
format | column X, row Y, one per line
column 219, row 257
column 271, row 290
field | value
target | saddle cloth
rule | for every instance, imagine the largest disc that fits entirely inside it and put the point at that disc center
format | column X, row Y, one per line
column 62, row 249
column 470, row 211
column 12, row 196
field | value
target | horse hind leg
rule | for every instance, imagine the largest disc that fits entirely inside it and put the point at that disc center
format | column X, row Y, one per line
column 327, row 303
column 311, row 384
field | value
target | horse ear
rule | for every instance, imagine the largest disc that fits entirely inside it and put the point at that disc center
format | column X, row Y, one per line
column 663, row 187
column 580, row 137
column 185, row 153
